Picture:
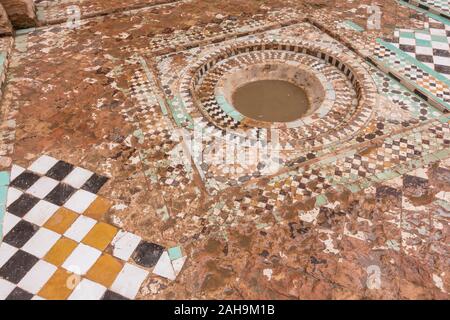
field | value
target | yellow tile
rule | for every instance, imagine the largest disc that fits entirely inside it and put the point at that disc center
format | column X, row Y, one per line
column 61, row 220
column 60, row 285
column 105, row 270
column 98, row 208
column 60, row 251
column 100, row 236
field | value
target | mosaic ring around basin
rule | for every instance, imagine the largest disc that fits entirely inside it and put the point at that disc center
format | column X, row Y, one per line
column 357, row 75
column 320, row 92
column 336, row 79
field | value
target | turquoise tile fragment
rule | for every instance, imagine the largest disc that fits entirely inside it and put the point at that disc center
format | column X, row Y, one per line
column 409, row 35
column 321, row 200
column 236, row 115
column 354, row 26
column 4, row 178
column 175, row 253
column 353, row 188
column 423, row 43
column 3, row 195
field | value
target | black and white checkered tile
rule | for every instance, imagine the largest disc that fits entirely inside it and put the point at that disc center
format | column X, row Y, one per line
column 429, row 46
column 49, row 183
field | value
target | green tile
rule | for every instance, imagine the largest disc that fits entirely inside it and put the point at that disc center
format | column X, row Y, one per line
column 439, row 38
column 175, row 253
column 423, row 43
column 2, row 214
column 353, row 188
column 409, row 35
column 442, row 154
column 236, row 115
column 4, row 178
column 321, row 200
column 354, row 26
column 3, row 194
column 162, row 105
column 387, row 175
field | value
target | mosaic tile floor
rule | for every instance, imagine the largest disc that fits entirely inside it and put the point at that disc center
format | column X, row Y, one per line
column 104, row 193
column 53, row 231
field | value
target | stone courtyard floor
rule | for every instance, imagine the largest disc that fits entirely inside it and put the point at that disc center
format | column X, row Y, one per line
column 102, row 195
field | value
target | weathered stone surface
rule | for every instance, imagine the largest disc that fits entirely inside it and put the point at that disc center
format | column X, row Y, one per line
column 73, row 90
column 21, row 13
column 5, row 24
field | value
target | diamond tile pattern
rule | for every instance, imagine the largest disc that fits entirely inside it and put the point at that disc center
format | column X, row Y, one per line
column 430, row 46
column 52, row 250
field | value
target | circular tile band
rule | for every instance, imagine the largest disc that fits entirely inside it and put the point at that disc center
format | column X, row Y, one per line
column 319, row 90
column 339, row 119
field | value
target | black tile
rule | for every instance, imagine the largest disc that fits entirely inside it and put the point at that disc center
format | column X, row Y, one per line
column 60, row 170
column 413, row 182
column 407, row 48
column 147, row 254
column 442, row 69
column 22, row 205
column 386, row 192
column 25, row 180
column 441, row 52
column 424, row 58
column 18, row 266
column 20, row 234
column 110, row 295
column 60, row 194
column 19, row 294
column 94, row 183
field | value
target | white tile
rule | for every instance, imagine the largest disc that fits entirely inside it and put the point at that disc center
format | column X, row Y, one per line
column 164, row 267
column 6, row 288
column 42, row 187
column 41, row 242
column 440, row 45
column 78, row 177
column 438, row 32
column 13, row 195
column 37, row 277
column 407, row 41
column 81, row 259
column 80, row 228
column 178, row 264
column 9, row 222
column 80, row 201
column 43, row 164
column 423, row 36
column 37, row 298
column 424, row 50
column 41, row 212
column 129, row 281
column 441, row 61
column 16, row 171
column 6, row 252
column 124, row 244
column 87, row 290
column 420, row 172
column 443, row 196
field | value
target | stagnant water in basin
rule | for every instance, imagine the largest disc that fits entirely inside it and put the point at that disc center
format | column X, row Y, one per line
column 271, row 100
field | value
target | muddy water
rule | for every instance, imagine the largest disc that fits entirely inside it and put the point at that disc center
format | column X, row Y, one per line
column 271, row 100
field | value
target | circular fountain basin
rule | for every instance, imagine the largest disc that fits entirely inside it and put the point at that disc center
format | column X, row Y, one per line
column 271, row 101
